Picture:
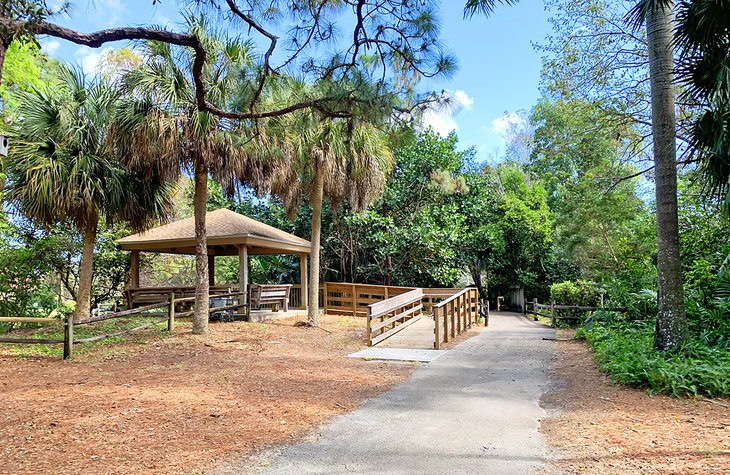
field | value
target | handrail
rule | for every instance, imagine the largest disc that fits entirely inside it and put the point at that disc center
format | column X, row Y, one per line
column 453, row 297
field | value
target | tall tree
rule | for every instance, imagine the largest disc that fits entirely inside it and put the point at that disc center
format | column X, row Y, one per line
column 161, row 132
column 334, row 159
column 671, row 324
column 61, row 167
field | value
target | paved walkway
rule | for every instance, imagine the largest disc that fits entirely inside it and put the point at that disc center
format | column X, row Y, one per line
column 473, row 410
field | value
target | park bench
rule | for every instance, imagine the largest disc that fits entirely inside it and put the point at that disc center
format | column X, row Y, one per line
column 275, row 295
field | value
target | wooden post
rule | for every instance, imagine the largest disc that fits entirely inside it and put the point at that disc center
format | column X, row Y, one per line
column 447, row 331
column 324, row 298
column 552, row 312
column 436, row 331
column 369, row 329
column 452, row 317
column 354, row 300
column 303, row 280
column 171, row 314
column 534, row 306
column 133, row 271
column 211, row 269
column 243, row 270
column 68, row 337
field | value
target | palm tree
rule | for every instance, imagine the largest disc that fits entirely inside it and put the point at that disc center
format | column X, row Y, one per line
column 671, row 325
column 342, row 160
column 61, row 169
column 161, row 130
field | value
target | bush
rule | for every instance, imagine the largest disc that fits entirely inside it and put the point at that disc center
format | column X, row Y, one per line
column 625, row 351
column 578, row 292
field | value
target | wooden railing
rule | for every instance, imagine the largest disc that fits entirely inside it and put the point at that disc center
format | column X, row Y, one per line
column 454, row 315
column 556, row 312
column 388, row 317
column 355, row 299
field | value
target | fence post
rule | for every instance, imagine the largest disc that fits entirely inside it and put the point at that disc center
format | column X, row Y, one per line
column 452, row 317
column 436, row 330
column 324, row 298
column 68, row 336
column 354, row 300
column 552, row 313
column 171, row 313
column 367, row 325
column 534, row 306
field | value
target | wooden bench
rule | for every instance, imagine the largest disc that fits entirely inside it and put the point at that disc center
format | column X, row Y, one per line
column 276, row 295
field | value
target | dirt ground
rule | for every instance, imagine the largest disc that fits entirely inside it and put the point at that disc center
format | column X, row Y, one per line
column 598, row 427
column 182, row 404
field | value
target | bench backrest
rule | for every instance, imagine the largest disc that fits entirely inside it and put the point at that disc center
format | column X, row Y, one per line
column 270, row 293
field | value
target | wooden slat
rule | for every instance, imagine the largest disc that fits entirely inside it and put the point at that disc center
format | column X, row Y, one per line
column 388, row 321
column 392, row 303
column 29, row 320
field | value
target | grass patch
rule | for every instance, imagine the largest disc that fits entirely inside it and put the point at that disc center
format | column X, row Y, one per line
column 625, row 350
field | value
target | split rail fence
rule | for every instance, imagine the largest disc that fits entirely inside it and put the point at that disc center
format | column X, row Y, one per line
column 557, row 312
column 69, row 324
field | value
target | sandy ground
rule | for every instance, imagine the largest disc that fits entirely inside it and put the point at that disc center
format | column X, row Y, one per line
column 600, row 428
column 182, row 404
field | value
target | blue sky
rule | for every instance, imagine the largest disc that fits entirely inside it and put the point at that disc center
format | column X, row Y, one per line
column 498, row 68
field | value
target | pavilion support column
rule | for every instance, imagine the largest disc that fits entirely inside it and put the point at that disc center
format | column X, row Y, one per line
column 134, row 271
column 243, row 268
column 211, row 269
column 303, row 279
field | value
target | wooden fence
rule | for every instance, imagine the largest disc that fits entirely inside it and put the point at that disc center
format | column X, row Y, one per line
column 355, row 299
column 454, row 315
column 69, row 341
column 388, row 317
column 557, row 312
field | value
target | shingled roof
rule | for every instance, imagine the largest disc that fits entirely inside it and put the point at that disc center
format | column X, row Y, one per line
column 227, row 231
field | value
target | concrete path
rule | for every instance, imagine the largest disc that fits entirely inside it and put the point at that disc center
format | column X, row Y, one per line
column 473, row 410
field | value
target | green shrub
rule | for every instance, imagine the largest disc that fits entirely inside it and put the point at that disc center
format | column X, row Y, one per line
column 578, row 292
column 625, row 351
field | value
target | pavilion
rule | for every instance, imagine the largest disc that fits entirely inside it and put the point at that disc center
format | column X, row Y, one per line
column 229, row 234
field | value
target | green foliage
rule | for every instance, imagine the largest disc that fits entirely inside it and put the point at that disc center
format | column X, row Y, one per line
column 625, row 351
column 579, row 292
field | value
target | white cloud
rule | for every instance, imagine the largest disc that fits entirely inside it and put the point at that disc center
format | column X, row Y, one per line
column 463, row 99
column 89, row 58
column 507, row 122
column 108, row 12
column 50, row 47
column 441, row 117
column 440, row 121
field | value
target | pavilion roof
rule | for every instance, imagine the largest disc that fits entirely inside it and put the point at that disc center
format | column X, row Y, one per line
column 227, row 231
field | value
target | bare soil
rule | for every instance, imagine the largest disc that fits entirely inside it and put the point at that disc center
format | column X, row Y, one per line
column 603, row 428
column 182, row 404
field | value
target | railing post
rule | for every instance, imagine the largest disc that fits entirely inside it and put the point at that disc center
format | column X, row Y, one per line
column 436, row 330
column 369, row 329
column 534, row 306
column 171, row 314
column 324, row 298
column 353, row 292
column 452, row 318
column 68, row 336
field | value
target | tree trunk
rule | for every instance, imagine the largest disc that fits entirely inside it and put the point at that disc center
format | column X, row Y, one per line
column 671, row 324
column 316, row 204
column 202, row 288
column 86, row 271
